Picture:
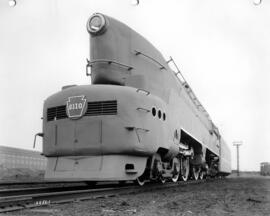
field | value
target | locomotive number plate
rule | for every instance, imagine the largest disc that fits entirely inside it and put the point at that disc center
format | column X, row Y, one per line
column 76, row 106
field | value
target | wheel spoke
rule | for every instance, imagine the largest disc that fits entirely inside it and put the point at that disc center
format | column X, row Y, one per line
column 176, row 169
column 184, row 168
column 196, row 172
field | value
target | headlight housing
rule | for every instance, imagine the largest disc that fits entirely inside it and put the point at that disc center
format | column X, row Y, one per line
column 96, row 24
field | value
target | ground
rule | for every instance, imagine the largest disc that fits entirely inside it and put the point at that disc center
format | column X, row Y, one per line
column 244, row 196
column 20, row 174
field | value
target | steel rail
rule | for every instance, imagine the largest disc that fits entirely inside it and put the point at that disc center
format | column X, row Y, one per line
column 18, row 202
column 36, row 190
column 57, row 188
column 11, row 183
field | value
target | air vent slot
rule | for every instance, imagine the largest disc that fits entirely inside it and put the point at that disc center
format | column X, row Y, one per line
column 101, row 108
column 95, row 108
column 55, row 113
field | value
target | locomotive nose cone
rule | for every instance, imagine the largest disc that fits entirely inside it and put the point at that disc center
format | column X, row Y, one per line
column 96, row 24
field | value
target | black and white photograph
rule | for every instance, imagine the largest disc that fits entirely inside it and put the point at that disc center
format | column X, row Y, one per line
column 134, row 107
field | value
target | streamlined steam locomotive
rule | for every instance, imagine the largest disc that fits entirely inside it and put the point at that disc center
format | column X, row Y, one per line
column 137, row 121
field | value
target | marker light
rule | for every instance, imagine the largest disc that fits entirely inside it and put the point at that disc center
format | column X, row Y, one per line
column 96, row 24
column 135, row 2
column 12, row 3
column 257, row 2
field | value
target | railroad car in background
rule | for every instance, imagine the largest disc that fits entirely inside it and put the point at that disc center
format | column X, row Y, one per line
column 21, row 158
column 265, row 168
column 137, row 121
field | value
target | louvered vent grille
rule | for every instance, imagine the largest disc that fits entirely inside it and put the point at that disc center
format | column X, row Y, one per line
column 101, row 108
column 93, row 109
column 55, row 113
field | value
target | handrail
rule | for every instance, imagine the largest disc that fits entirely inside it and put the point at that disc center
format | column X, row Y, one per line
column 142, row 90
column 190, row 92
column 87, row 67
column 37, row 134
column 130, row 128
column 91, row 63
column 147, row 56
column 143, row 109
column 178, row 70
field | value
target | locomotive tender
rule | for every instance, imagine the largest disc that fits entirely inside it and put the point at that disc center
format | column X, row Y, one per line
column 137, row 121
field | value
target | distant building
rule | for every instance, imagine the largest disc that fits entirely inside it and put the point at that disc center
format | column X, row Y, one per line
column 21, row 158
column 265, row 168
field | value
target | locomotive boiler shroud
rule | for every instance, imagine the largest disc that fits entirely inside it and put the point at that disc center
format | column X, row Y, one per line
column 112, row 134
column 135, row 108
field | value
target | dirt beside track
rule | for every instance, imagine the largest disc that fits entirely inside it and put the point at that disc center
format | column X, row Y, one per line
column 231, row 196
column 21, row 174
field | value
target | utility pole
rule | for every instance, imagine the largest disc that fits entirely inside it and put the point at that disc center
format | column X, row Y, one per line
column 237, row 144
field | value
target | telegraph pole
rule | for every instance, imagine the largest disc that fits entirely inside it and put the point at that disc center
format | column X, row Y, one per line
column 237, row 144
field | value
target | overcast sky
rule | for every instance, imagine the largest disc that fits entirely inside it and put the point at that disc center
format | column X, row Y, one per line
column 222, row 48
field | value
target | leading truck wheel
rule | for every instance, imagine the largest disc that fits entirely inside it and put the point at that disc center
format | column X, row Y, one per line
column 176, row 169
column 184, row 168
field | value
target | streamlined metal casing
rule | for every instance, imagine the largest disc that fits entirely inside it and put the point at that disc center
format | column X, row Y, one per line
column 135, row 107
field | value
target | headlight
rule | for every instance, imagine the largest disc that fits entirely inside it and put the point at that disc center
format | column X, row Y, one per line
column 96, row 24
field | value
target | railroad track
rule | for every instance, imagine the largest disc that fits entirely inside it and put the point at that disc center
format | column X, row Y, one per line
column 37, row 190
column 23, row 184
column 32, row 198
